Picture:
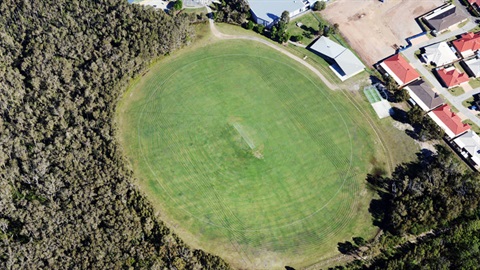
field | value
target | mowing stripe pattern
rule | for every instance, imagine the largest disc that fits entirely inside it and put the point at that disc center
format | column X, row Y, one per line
column 249, row 152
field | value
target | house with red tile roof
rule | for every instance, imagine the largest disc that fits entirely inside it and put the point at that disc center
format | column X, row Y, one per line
column 474, row 3
column 451, row 77
column 448, row 121
column 467, row 44
column 399, row 69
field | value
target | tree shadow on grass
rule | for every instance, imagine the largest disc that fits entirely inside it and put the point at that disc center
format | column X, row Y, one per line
column 399, row 115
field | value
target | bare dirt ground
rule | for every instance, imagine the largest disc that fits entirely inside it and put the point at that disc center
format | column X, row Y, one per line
column 372, row 28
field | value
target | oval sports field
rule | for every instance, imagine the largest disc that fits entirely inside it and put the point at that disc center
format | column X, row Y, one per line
column 246, row 154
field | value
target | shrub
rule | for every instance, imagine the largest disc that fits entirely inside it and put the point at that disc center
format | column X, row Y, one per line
column 319, row 5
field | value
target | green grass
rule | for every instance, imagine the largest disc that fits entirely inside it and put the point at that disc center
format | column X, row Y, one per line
column 201, row 10
column 310, row 25
column 248, row 155
column 462, row 24
column 312, row 58
column 474, row 83
column 456, row 91
column 468, row 102
column 316, row 61
column 472, row 125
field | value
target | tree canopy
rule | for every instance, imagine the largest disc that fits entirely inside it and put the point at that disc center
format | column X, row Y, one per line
column 66, row 195
column 232, row 11
column 430, row 213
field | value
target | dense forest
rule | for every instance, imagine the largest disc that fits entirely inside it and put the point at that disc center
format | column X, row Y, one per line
column 429, row 210
column 66, row 196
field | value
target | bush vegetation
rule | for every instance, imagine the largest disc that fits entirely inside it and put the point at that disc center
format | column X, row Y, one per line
column 66, row 197
column 432, row 199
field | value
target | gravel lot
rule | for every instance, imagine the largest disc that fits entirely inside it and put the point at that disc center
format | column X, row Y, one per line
column 373, row 28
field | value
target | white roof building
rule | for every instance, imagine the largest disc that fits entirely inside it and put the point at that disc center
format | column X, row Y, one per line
column 473, row 67
column 470, row 143
column 440, row 54
column 267, row 12
column 343, row 62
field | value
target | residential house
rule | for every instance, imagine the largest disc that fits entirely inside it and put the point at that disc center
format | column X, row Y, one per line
column 468, row 44
column 444, row 18
column 399, row 69
column 343, row 62
column 472, row 67
column 475, row 4
column 448, row 121
column 451, row 77
column 423, row 95
column 469, row 143
column 439, row 54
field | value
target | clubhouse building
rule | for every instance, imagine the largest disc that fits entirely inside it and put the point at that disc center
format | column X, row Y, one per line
column 342, row 61
column 267, row 12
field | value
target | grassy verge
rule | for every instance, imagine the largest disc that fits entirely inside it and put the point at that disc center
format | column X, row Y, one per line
column 468, row 102
column 474, row 83
column 456, row 91
column 472, row 125
column 462, row 24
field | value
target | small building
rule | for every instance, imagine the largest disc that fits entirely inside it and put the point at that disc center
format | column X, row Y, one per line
column 472, row 67
column 399, row 69
column 468, row 44
column 267, row 12
column 448, row 121
column 424, row 96
column 469, row 143
column 451, row 77
column 439, row 54
column 343, row 62
column 444, row 18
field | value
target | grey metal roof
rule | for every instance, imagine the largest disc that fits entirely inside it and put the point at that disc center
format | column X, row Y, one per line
column 426, row 94
column 440, row 54
column 345, row 59
column 327, row 47
column 446, row 19
column 474, row 66
column 470, row 142
column 270, row 10
column 349, row 63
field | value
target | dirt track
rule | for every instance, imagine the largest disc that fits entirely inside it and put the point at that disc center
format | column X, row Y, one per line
column 372, row 27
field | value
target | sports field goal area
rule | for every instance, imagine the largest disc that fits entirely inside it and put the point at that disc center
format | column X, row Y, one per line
column 372, row 94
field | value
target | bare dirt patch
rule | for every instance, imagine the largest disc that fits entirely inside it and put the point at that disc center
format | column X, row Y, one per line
column 373, row 28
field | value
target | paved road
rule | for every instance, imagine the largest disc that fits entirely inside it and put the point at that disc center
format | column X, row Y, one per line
column 456, row 101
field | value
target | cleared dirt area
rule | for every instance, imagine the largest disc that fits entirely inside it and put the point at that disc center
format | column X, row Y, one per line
column 373, row 28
